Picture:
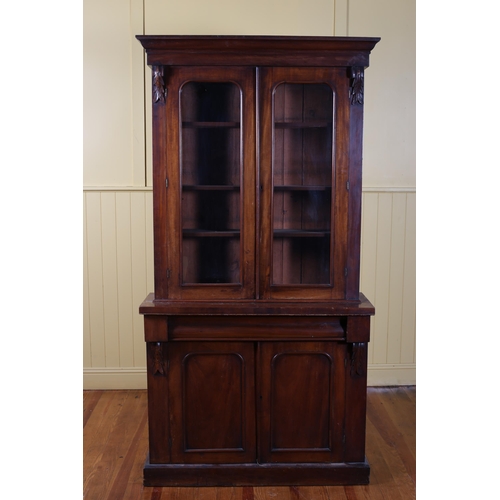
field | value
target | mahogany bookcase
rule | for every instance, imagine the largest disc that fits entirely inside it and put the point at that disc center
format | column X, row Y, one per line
column 256, row 331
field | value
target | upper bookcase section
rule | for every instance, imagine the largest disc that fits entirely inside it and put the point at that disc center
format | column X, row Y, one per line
column 184, row 50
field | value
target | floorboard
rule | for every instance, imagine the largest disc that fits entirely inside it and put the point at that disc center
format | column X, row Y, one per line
column 115, row 441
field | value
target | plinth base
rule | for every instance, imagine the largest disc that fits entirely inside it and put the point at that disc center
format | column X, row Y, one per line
column 256, row 474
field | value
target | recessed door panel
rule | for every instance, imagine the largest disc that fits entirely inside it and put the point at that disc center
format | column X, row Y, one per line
column 302, row 404
column 213, row 402
column 300, row 413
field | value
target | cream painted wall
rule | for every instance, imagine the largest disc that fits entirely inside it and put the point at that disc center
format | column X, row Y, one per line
column 390, row 87
column 118, row 270
column 113, row 88
column 239, row 17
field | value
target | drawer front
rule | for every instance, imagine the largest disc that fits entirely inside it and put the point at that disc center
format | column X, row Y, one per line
column 254, row 328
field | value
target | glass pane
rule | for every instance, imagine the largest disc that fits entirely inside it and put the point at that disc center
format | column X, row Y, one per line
column 302, row 183
column 211, row 171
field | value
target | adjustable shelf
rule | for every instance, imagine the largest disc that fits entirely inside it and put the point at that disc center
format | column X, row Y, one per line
column 197, row 124
column 203, row 233
column 209, row 187
column 299, row 233
column 291, row 188
column 303, row 124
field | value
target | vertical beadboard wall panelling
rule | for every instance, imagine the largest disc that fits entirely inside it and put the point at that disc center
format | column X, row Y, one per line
column 118, row 274
column 139, row 272
column 388, row 277
column 396, row 277
column 408, row 319
column 368, row 277
column 95, row 279
column 124, row 285
column 149, row 242
column 383, row 273
column 87, row 349
column 109, row 277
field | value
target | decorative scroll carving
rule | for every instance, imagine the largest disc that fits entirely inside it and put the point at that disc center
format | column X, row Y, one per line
column 357, row 359
column 357, row 85
column 159, row 92
column 158, row 368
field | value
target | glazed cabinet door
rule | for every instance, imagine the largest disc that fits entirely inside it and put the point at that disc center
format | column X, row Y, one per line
column 303, row 182
column 205, row 184
column 301, row 401
column 212, row 402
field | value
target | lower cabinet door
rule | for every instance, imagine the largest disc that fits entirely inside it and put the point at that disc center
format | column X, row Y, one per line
column 212, row 402
column 301, row 401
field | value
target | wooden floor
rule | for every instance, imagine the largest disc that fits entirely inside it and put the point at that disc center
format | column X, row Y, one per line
column 116, row 440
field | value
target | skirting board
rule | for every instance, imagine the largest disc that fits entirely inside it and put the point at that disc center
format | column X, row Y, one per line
column 380, row 375
column 135, row 378
column 114, row 378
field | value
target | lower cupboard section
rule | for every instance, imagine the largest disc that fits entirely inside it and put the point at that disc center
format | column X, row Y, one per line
column 236, row 413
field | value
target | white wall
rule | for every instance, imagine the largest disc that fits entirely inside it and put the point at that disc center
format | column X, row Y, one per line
column 118, row 253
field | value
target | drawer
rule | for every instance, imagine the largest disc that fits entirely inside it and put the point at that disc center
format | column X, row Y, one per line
column 252, row 328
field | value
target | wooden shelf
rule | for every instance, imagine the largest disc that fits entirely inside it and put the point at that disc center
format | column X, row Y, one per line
column 299, row 233
column 209, row 187
column 302, row 188
column 302, row 124
column 211, row 124
column 203, row 233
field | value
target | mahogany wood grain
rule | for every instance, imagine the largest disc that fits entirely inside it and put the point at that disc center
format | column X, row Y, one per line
column 358, row 329
column 155, row 328
column 355, row 401
column 257, row 333
column 298, row 423
column 302, row 157
column 255, row 474
column 340, row 215
column 287, row 95
column 212, row 414
column 273, row 159
column 158, row 402
column 269, row 328
column 243, row 165
column 258, row 50
column 361, row 307
column 161, row 203
column 354, row 128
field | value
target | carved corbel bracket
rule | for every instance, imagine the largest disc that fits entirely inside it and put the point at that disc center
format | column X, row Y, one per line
column 158, row 365
column 357, row 359
column 356, row 89
column 159, row 90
